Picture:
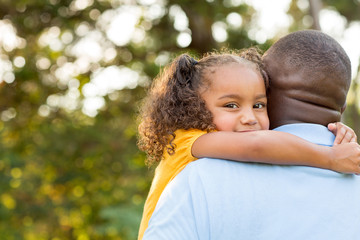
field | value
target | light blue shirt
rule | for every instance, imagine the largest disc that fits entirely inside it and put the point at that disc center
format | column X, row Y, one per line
column 219, row 199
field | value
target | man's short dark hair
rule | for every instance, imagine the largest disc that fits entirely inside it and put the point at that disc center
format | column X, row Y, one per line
column 323, row 54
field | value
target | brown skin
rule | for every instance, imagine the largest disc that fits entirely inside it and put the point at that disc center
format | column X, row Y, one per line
column 303, row 105
column 310, row 75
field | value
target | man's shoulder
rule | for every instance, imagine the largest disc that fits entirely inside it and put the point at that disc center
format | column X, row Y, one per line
column 212, row 168
column 222, row 168
column 214, row 163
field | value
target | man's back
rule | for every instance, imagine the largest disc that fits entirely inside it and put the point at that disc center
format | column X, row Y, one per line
column 217, row 199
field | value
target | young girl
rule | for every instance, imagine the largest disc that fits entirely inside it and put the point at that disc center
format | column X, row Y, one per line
column 214, row 108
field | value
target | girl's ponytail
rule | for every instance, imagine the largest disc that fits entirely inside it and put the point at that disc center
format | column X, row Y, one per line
column 184, row 70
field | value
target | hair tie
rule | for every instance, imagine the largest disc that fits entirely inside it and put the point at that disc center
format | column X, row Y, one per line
column 193, row 62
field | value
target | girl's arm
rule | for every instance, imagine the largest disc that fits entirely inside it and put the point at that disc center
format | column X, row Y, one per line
column 275, row 147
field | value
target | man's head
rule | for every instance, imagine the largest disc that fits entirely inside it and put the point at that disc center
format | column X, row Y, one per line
column 310, row 75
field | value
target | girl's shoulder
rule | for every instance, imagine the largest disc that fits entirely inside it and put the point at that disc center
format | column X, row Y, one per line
column 182, row 142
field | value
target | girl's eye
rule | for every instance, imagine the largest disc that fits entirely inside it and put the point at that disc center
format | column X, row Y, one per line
column 260, row 105
column 231, row 105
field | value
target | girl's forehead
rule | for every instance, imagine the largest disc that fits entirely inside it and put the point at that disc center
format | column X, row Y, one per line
column 242, row 63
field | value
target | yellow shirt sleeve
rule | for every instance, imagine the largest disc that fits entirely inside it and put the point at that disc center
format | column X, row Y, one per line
column 167, row 169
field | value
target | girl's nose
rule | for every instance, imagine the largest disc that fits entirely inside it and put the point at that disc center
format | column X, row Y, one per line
column 248, row 117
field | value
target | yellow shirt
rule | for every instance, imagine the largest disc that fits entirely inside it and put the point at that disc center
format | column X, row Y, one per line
column 167, row 169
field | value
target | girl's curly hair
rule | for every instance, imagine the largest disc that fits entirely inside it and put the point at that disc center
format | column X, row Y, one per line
column 174, row 102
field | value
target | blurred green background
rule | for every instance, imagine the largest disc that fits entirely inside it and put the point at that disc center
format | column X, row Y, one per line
column 72, row 75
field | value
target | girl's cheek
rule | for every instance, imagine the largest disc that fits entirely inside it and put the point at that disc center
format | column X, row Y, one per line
column 224, row 123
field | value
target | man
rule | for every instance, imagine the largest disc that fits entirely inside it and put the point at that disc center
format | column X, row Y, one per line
column 215, row 199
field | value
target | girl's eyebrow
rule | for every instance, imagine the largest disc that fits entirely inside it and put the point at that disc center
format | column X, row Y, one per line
column 261, row 96
column 239, row 97
column 230, row 96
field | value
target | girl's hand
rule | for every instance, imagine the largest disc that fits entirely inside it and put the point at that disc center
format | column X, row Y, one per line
column 343, row 133
column 346, row 158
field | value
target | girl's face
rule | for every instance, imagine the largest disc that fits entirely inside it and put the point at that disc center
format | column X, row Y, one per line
column 237, row 98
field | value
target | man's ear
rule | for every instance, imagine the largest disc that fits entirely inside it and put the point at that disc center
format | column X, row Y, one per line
column 343, row 108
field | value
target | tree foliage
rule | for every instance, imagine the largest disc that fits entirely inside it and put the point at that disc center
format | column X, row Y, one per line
column 71, row 174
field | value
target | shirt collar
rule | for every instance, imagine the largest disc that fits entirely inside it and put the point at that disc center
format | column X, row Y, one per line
column 314, row 133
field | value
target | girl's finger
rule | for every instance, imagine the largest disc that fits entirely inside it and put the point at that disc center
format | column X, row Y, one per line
column 347, row 138
column 332, row 128
column 339, row 136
